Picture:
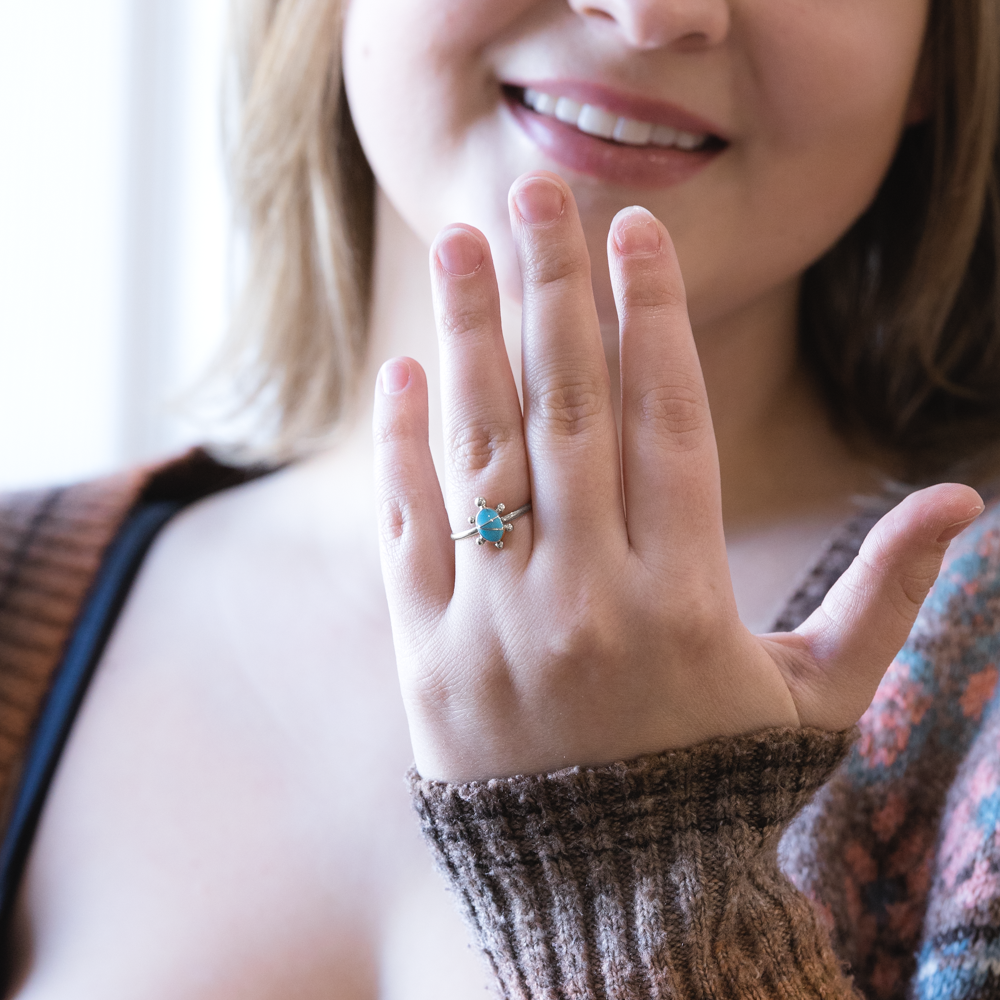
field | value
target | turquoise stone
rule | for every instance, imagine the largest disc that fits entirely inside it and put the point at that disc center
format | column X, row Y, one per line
column 489, row 524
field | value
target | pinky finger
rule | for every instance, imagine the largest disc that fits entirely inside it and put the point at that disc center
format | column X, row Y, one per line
column 418, row 556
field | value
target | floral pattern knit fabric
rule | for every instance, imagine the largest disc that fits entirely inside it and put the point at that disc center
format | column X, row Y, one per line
column 901, row 849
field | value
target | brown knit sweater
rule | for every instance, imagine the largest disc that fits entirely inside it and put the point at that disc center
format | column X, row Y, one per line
column 656, row 878
column 51, row 544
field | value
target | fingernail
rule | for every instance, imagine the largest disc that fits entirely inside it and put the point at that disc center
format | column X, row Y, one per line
column 636, row 232
column 459, row 252
column 958, row 527
column 539, row 200
column 395, row 376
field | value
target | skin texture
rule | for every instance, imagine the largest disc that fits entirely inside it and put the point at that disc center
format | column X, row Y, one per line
column 229, row 818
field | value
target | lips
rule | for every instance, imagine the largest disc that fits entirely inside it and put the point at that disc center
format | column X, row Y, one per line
column 617, row 138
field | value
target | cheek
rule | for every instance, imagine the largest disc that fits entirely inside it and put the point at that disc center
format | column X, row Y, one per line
column 833, row 91
column 834, row 75
column 823, row 92
column 425, row 102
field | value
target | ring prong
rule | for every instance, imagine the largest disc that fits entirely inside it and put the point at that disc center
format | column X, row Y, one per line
column 480, row 541
column 499, row 545
column 501, row 508
column 472, row 520
column 508, row 527
column 480, row 501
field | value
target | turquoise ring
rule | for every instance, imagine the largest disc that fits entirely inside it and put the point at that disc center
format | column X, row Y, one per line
column 490, row 523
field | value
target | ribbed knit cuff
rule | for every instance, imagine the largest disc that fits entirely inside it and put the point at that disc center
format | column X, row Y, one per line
column 653, row 878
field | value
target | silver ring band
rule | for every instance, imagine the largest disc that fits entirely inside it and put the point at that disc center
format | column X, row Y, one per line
column 490, row 524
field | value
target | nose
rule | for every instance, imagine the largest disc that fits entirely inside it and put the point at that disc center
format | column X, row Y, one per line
column 687, row 25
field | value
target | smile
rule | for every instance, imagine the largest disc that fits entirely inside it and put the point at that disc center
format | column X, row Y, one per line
column 622, row 139
column 603, row 124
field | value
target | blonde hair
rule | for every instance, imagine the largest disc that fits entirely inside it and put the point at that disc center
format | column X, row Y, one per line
column 900, row 320
column 305, row 199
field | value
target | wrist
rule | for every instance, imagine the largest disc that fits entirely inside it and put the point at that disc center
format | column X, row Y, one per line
column 647, row 868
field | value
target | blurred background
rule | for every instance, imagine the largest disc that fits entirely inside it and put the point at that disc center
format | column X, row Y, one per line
column 114, row 230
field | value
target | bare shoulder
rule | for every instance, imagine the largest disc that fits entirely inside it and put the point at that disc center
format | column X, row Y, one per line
column 298, row 528
column 269, row 595
column 241, row 737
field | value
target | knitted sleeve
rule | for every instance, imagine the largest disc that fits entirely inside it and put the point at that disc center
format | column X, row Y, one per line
column 648, row 879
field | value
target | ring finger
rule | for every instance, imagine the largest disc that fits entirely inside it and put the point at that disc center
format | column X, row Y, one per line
column 484, row 437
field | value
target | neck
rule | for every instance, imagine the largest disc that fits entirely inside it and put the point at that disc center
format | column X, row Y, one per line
column 779, row 457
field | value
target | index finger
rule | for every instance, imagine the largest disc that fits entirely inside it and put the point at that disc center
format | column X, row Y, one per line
column 670, row 463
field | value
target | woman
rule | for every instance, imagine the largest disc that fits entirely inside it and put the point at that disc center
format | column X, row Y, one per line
column 227, row 816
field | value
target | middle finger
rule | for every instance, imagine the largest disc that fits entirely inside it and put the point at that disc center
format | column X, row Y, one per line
column 570, row 429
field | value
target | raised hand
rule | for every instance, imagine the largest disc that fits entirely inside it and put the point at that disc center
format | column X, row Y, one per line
column 606, row 626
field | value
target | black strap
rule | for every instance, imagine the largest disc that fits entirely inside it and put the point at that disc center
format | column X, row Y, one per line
column 69, row 685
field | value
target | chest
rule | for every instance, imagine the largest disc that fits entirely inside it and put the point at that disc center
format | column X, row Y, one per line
column 229, row 817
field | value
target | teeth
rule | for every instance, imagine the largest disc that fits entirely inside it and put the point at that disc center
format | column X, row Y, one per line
column 664, row 135
column 546, row 104
column 568, row 111
column 596, row 121
column 633, row 133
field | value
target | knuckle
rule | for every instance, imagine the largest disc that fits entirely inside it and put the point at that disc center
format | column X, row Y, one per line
column 581, row 639
column 679, row 412
column 394, row 427
column 384, row 432
column 463, row 317
column 846, row 598
column 590, row 617
column 651, row 293
column 571, row 407
column 914, row 588
column 400, row 505
column 474, row 447
column 694, row 613
column 395, row 518
column 904, row 584
column 556, row 263
column 572, row 642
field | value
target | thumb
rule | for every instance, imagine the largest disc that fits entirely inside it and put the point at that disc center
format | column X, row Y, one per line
column 867, row 615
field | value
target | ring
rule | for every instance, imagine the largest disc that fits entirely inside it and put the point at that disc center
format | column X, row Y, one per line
column 490, row 524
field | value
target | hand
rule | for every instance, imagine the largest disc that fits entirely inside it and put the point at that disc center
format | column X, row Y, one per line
column 594, row 636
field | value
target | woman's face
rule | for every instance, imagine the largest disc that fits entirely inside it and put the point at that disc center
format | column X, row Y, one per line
column 794, row 109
